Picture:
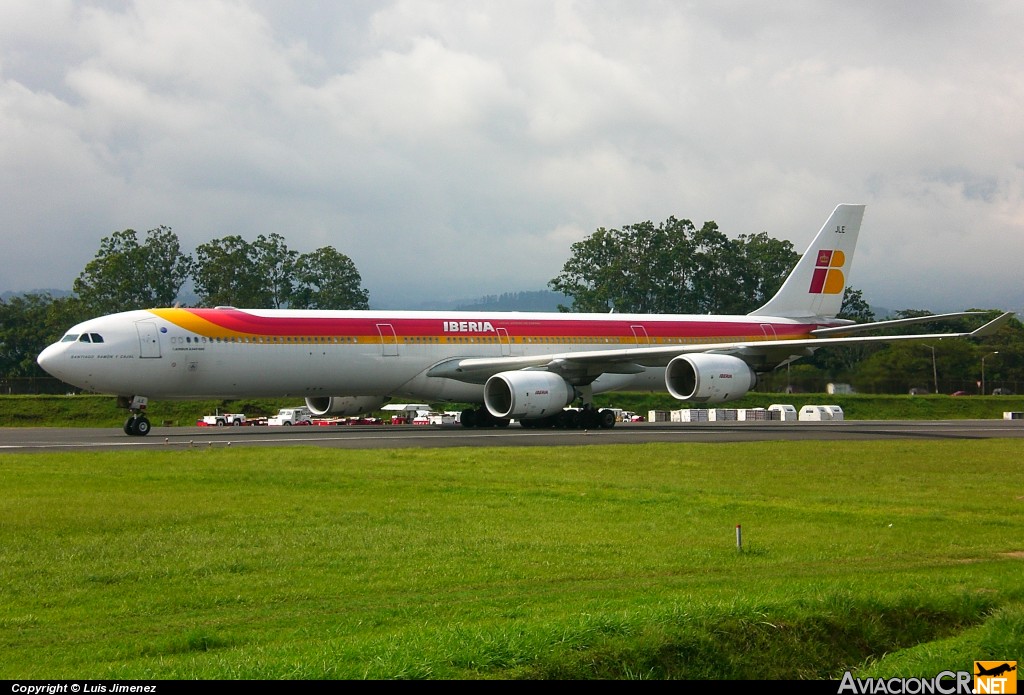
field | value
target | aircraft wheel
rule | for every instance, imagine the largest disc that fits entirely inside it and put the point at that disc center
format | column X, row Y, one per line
column 607, row 419
column 589, row 419
column 569, row 420
column 129, row 426
column 485, row 419
column 142, row 426
column 468, row 417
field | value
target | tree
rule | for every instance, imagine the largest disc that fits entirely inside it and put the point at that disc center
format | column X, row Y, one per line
column 838, row 363
column 275, row 263
column 904, row 365
column 226, row 274
column 855, row 307
column 957, row 363
column 126, row 275
column 28, row 323
column 167, row 268
column 328, row 279
column 764, row 264
column 673, row 268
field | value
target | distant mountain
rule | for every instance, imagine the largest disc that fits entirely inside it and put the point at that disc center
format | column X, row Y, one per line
column 541, row 300
column 5, row 296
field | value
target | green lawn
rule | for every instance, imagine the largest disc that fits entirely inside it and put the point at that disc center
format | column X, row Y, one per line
column 890, row 558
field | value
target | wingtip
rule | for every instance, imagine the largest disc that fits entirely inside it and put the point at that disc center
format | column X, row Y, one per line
column 993, row 325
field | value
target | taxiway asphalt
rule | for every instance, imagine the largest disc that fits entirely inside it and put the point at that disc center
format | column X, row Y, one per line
column 57, row 439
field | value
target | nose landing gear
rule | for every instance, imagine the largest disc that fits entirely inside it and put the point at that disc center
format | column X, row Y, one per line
column 137, row 424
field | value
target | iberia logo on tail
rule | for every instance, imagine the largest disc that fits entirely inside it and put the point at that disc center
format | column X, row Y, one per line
column 828, row 278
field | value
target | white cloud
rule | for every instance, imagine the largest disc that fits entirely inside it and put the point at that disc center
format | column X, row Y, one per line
column 459, row 148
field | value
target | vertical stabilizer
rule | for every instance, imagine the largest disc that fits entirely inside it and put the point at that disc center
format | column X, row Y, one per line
column 816, row 285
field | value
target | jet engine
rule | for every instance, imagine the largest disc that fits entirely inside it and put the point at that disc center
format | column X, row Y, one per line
column 340, row 406
column 527, row 394
column 708, row 378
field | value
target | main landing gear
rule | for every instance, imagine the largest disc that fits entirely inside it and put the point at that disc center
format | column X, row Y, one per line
column 481, row 417
column 137, row 424
column 585, row 418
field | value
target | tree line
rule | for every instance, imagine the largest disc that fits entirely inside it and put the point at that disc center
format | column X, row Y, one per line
column 131, row 274
column 674, row 267
column 130, row 271
column 669, row 267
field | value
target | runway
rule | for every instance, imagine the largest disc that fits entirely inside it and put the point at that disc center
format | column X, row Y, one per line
column 57, row 439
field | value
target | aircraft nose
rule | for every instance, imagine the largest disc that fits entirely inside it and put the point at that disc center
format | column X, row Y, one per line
column 49, row 359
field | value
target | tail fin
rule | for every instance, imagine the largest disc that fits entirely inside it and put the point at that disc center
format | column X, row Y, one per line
column 816, row 285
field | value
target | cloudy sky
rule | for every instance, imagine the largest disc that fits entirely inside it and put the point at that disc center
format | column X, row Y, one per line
column 456, row 149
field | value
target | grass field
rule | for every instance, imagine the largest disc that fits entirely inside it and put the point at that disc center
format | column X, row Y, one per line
column 887, row 558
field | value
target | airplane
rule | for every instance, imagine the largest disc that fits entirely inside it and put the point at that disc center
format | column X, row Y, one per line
column 512, row 366
column 999, row 670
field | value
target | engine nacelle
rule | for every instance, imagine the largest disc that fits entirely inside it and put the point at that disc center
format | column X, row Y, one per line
column 708, row 378
column 341, row 406
column 527, row 394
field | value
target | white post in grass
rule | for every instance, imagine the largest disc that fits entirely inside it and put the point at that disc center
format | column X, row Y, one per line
column 739, row 538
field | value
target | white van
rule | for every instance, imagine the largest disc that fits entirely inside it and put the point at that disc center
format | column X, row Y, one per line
column 300, row 415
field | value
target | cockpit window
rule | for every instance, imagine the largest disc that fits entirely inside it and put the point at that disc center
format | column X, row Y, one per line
column 84, row 338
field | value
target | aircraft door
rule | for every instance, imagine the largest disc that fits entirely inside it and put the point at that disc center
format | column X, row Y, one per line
column 388, row 340
column 640, row 335
column 503, row 339
column 149, row 339
column 769, row 331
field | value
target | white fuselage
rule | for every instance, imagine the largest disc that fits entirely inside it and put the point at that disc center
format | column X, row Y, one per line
column 229, row 353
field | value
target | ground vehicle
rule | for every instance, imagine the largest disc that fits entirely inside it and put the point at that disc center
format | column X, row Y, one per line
column 364, row 420
column 299, row 415
column 222, row 419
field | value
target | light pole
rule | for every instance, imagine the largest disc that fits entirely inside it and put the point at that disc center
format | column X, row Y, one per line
column 983, row 370
column 935, row 373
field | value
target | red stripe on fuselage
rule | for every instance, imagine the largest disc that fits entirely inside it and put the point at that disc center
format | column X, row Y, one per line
column 653, row 328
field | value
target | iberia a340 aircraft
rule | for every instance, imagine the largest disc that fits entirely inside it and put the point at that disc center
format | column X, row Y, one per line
column 522, row 366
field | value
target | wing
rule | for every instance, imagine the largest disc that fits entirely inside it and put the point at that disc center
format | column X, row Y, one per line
column 584, row 367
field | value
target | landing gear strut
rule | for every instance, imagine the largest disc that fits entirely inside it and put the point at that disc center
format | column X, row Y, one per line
column 137, row 424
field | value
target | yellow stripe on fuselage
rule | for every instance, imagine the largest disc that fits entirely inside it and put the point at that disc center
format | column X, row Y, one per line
column 198, row 325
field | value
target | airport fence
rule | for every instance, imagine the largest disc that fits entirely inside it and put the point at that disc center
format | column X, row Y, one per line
column 35, row 386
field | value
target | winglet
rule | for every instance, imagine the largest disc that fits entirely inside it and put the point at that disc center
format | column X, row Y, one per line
column 992, row 326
